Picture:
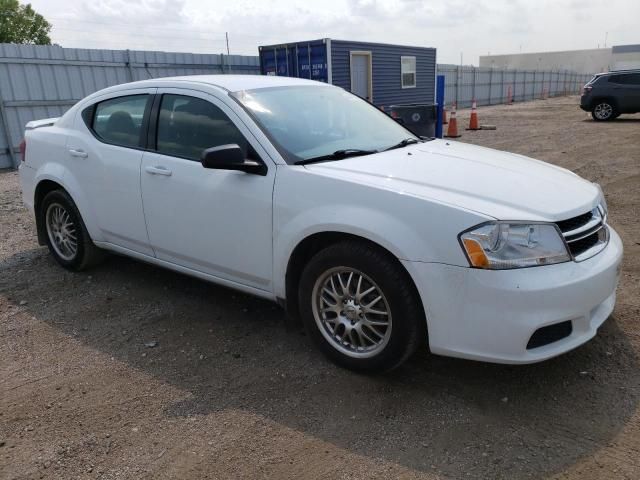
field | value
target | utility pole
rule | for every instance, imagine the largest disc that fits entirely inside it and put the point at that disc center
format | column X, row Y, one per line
column 226, row 36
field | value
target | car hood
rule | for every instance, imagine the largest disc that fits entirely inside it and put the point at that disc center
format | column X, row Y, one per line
column 498, row 184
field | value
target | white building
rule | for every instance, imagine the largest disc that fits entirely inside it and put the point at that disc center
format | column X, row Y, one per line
column 582, row 61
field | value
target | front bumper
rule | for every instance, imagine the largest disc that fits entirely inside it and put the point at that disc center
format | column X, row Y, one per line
column 491, row 315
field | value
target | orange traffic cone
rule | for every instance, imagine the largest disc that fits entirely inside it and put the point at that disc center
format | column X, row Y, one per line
column 473, row 121
column 452, row 130
column 444, row 116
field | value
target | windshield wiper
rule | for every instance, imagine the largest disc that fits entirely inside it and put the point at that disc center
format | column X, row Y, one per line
column 403, row 143
column 337, row 155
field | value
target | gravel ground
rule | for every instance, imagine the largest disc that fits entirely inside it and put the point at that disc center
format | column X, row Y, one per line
column 130, row 371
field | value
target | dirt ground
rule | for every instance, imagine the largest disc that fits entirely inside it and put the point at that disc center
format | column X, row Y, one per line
column 230, row 392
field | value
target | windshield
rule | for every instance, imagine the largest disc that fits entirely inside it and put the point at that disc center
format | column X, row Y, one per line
column 308, row 122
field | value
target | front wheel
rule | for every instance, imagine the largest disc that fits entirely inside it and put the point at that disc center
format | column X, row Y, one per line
column 361, row 307
column 603, row 111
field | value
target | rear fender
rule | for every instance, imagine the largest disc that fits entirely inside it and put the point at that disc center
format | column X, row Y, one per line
column 57, row 173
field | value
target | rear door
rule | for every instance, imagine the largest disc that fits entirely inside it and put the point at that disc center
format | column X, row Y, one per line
column 626, row 88
column 218, row 222
column 632, row 84
column 105, row 152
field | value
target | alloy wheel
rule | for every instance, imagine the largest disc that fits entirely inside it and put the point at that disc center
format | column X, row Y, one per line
column 61, row 231
column 603, row 111
column 351, row 312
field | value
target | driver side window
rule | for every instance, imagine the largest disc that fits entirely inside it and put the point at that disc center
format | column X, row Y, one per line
column 189, row 125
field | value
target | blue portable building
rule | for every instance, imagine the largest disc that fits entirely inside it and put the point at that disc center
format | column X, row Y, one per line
column 383, row 74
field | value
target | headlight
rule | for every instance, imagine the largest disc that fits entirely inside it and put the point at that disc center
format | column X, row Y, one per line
column 603, row 201
column 503, row 245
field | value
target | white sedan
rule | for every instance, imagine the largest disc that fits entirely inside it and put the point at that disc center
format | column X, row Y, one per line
column 302, row 193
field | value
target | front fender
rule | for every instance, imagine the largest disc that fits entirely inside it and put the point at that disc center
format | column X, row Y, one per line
column 325, row 219
column 411, row 228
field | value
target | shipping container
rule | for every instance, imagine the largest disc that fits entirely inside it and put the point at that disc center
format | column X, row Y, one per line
column 383, row 74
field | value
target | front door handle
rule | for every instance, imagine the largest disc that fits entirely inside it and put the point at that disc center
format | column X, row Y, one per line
column 78, row 153
column 158, row 171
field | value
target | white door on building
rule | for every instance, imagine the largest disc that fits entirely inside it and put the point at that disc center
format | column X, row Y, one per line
column 361, row 74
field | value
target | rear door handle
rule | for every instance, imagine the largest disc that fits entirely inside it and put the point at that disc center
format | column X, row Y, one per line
column 158, row 171
column 78, row 153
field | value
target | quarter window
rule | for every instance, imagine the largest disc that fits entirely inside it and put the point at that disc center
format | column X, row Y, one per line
column 408, row 71
column 119, row 120
column 187, row 126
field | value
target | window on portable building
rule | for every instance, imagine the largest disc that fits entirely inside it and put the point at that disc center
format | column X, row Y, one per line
column 408, row 71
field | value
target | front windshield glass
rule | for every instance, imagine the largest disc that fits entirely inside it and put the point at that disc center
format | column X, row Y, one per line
column 310, row 121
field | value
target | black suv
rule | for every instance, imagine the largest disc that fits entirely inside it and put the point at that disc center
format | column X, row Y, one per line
column 607, row 95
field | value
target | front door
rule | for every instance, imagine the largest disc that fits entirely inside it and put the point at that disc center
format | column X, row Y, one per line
column 218, row 222
column 361, row 74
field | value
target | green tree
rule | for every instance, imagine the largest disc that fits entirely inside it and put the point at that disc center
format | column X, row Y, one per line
column 22, row 24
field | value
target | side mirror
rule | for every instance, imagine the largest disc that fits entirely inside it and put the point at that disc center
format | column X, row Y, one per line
column 230, row 157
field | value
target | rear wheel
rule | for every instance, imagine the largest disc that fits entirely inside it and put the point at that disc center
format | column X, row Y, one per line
column 603, row 111
column 67, row 236
column 361, row 307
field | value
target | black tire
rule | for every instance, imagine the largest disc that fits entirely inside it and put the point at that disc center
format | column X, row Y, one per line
column 408, row 325
column 86, row 254
column 603, row 111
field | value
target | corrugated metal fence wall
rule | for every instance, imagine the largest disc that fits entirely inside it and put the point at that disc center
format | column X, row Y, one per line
column 492, row 86
column 44, row 81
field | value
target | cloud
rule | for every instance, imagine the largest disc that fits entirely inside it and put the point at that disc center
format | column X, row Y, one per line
column 470, row 26
column 152, row 11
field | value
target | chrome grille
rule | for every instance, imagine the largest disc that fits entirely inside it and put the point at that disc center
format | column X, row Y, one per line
column 586, row 235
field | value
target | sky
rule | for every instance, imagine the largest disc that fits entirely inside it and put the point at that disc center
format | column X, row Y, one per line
column 460, row 30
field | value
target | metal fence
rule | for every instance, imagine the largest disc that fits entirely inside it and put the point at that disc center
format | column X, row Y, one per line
column 489, row 86
column 45, row 81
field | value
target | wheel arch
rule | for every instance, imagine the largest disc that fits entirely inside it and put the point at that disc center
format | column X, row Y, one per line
column 307, row 247
column 54, row 177
column 602, row 98
column 43, row 187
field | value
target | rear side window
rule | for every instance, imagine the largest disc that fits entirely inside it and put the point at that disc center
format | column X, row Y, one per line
column 119, row 120
column 627, row 79
column 189, row 125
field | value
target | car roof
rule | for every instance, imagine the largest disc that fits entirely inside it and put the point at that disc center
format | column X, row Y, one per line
column 620, row 72
column 231, row 83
